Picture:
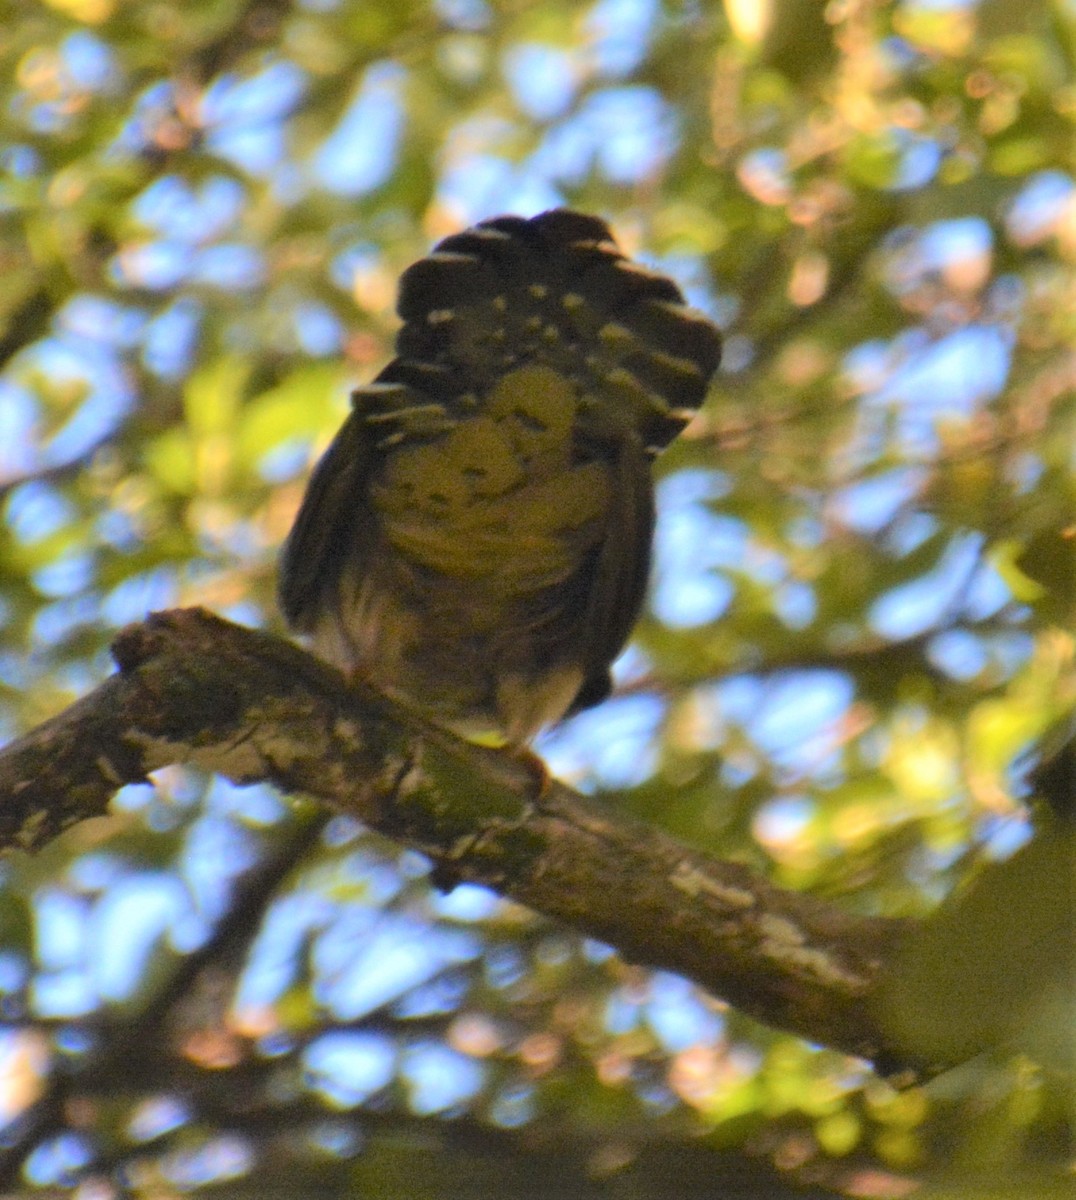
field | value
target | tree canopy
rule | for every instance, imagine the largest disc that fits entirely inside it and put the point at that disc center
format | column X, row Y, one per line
column 851, row 697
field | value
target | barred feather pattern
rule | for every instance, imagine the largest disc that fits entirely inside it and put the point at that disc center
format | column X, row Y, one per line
column 477, row 537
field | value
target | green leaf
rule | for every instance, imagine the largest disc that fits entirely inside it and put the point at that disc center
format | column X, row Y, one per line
column 304, row 405
column 992, row 963
column 170, row 459
column 212, row 395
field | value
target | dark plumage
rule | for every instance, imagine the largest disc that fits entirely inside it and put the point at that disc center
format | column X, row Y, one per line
column 477, row 536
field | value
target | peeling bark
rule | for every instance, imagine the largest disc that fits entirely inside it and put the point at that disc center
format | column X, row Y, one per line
column 192, row 688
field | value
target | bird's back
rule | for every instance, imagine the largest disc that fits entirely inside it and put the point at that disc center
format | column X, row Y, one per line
column 477, row 538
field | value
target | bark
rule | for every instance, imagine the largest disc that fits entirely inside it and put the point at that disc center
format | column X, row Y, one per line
column 192, row 688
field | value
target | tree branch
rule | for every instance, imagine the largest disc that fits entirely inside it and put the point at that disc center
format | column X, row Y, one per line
column 195, row 689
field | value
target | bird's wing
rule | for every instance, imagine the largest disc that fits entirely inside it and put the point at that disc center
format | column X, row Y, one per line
column 616, row 578
column 329, row 527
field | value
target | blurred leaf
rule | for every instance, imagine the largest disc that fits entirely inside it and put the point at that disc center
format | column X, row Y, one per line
column 213, row 394
column 1049, row 559
column 304, row 405
column 996, row 964
column 873, row 160
column 170, row 458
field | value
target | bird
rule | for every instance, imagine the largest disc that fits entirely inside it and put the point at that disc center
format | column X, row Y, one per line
column 476, row 540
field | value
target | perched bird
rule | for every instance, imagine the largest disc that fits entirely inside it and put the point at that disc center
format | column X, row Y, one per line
column 476, row 539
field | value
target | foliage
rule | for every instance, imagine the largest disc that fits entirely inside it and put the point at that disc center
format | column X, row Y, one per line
column 862, row 605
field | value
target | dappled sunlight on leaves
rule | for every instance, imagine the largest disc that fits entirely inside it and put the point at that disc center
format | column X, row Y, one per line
column 859, row 625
